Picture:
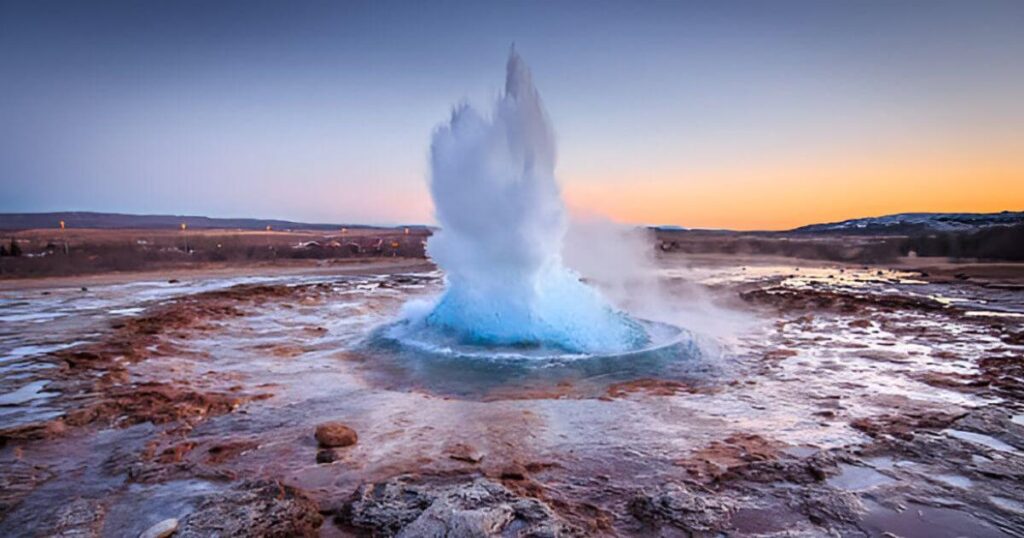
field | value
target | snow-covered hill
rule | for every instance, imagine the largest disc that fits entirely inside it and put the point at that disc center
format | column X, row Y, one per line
column 904, row 223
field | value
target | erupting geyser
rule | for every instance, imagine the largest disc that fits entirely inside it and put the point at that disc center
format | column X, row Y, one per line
column 502, row 224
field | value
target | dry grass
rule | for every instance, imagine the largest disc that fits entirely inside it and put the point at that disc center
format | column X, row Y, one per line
column 91, row 251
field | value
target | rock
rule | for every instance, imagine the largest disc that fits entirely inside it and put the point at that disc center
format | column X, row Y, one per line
column 513, row 472
column 464, row 452
column 326, row 455
column 80, row 517
column 254, row 508
column 335, row 434
column 228, row 450
column 827, row 508
column 173, row 281
column 477, row 508
column 682, row 507
column 19, row 479
column 386, row 507
column 734, row 455
column 161, row 530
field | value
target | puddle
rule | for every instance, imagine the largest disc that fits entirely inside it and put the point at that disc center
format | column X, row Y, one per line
column 134, row 311
column 981, row 439
column 955, row 480
column 857, row 478
column 801, row 451
column 993, row 314
column 22, row 352
column 25, row 394
column 32, row 317
column 920, row 521
column 1009, row 505
column 145, row 505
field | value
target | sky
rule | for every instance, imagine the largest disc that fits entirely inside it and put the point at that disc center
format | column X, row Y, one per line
column 724, row 114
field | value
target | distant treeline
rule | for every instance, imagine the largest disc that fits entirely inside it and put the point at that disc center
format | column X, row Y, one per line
column 996, row 243
column 119, row 221
column 992, row 243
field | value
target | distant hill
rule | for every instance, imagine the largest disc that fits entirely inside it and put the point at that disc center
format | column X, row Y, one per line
column 84, row 219
column 916, row 223
column 957, row 236
column 903, row 224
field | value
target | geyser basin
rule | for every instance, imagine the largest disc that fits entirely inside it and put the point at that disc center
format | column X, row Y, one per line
column 500, row 243
column 512, row 318
column 401, row 356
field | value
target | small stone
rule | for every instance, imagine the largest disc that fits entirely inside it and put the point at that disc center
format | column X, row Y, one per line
column 513, row 472
column 464, row 452
column 335, row 434
column 326, row 455
column 161, row 530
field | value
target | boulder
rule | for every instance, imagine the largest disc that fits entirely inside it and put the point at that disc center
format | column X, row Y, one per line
column 335, row 435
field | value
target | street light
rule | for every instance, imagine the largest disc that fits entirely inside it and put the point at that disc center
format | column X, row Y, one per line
column 184, row 232
column 64, row 238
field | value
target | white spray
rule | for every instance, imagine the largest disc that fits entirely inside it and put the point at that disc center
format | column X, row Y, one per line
column 502, row 225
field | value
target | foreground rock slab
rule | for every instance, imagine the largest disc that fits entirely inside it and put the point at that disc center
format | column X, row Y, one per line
column 682, row 507
column 254, row 508
column 403, row 508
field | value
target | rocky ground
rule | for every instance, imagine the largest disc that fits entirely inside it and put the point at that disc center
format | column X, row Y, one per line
column 855, row 401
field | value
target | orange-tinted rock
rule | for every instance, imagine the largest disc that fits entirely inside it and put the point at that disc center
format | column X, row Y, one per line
column 654, row 387
column 335, row 434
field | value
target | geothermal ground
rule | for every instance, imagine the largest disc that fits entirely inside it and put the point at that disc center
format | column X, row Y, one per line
column 856, row 401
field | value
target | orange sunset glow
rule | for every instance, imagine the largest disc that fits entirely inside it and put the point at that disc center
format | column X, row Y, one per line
column 779, row 197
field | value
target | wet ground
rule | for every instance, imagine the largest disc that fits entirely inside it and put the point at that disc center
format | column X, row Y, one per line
column 856, row 401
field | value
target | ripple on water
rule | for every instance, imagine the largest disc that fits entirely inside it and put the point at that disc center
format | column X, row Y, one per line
column 446, row 367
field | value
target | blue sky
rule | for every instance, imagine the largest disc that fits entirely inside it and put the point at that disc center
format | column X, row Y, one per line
column 323, row 111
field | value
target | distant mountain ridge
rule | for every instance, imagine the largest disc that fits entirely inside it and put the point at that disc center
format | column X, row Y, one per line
column 896, row 224
column 88, row 219
column 916, row 223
